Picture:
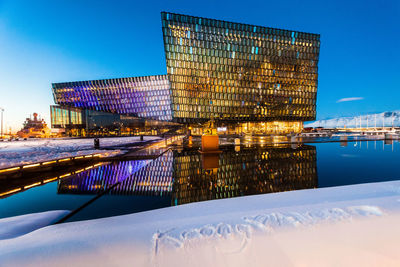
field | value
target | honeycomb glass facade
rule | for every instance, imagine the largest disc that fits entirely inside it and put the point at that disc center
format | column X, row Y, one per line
column 237, row 72
column 144, row 97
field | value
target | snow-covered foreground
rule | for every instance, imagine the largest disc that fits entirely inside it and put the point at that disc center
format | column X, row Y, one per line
column 343, row 226
column 37, row 150
column 20, row 225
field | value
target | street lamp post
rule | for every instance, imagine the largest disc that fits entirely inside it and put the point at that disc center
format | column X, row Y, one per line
column 2, row 110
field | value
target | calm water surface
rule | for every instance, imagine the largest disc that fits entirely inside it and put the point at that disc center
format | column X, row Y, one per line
column 184, row 175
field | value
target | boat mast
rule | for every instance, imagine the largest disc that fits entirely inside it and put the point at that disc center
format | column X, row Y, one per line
column 383, row 122
column 392, row 121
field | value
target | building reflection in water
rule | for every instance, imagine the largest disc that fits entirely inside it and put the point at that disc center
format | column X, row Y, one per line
column 139, row 177
column 189, row 176
column 248, row 172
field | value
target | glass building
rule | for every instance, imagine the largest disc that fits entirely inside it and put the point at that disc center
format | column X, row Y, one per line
column 144, row 97
column 110, row 104
column 245, row 78
column 232, row 72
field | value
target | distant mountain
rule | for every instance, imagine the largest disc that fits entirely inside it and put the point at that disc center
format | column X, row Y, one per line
column 387, row 119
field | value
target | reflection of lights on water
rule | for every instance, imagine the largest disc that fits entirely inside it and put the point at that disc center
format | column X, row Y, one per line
column 50, row 180
column 32, row 185
column 276, row 138
column 78, row 171
column 10, row 192
column 65, row 175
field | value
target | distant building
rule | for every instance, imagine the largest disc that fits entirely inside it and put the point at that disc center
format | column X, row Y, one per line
column 245, row 78
column 35, row 127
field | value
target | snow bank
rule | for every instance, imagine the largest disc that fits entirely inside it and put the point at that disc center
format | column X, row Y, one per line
column 20, row 225
column 37, row 150
column 350, row 225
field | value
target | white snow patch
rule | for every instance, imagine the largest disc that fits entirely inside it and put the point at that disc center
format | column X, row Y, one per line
column 20, row 225
column 30, row 151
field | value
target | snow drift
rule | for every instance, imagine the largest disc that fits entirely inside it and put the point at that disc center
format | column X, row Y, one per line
column 19, row 225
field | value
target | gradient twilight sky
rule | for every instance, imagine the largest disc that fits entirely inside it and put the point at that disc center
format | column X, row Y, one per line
column 65, row 40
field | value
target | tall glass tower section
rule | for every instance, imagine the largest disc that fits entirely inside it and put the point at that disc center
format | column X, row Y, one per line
column 235, row 72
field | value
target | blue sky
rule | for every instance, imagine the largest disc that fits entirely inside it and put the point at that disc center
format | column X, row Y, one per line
column 54, row 41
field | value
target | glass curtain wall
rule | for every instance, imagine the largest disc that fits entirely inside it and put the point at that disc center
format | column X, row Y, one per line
column 144, row 97
column 238, row 72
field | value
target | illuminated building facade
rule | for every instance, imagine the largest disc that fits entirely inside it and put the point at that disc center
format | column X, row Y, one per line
column 81, row 122
column 144, row 97
column 111, row 104
column 245, row 78
column 68, row 119
column 232, row 72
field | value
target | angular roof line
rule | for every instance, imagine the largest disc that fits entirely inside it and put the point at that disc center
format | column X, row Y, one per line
column 252, row 25
column 99, row 80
